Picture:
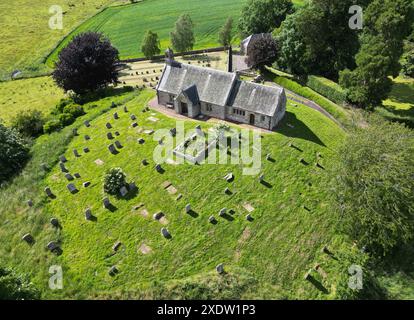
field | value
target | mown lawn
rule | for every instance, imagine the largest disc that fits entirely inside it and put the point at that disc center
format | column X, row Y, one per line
column 25, row 36
column 274, row 251
column 35, row 93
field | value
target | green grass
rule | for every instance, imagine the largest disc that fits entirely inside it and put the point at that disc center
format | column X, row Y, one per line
column 125, row 26
column 25, row 34
column 265, row 258
column 400, row 104
column 35, row 93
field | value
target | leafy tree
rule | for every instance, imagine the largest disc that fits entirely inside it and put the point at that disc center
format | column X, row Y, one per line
column 182, row 38
column 16, row 287
column 114, row 180
column 29, row 123
column 263, row 53
column 408, row 64
column 87, row 63
column 387, row 23
column 150, row 45
column 14, row 153
column 262, row 16
column 374, row 187
column 225, row 33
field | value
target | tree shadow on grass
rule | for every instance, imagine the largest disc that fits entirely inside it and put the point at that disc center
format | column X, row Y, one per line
column 299, row 130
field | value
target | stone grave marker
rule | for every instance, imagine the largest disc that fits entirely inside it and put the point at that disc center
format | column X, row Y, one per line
column 158, row 215
column 71, row 187
column 106, row 203
column 54, row 222
column 49, row 192
column 116, row 246
column 87, row 137
column 134, row 125
column 118, row 144
column 28, row 238
column 62, row 167
column 116, row 116
column 87, row 124
column 77, row 175
column 220, row 268
column 76, row 153
column 86, row 184
column 63, row 159
column 69, row 177
column 108, row 125
column 212, row 219
column 86, row 150
column 88, row 214
column 112, row 149
column 165, row 233
column 133, row 117
column 123, row 191
column 109, row 136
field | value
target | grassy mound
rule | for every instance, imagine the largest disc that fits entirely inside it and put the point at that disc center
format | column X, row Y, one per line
column 292, row 216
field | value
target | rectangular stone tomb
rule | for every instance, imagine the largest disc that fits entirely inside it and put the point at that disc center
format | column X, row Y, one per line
column 71, row 187
column 158, row 215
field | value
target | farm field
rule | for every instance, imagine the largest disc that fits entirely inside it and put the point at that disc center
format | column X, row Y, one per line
column 266, row 257
column 25, row 34
column 35, row 93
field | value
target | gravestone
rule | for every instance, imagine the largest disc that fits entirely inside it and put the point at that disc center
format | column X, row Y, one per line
column 75, row 153
column 54, row 222
column 63, row 159
column 132, row 186
column 158, row 168
column 75, row 131
column 125, row 109
column 113, row 105
column 30, row 203
column 69, row 177
column 117, row 133
column 268, row 157
column 71, row 187
column 118, row 144
column 134, row 125
column 86, row 184
column 112, row 149
column 86, row 150
column 165, row 233
column 188, row 208
column 220, row 268
column 141, row 141
column 116, row 116
column 106, row 203
column 87, row 137
column 145, row 162
column 48, row 192
column 28, row 238
column 108, row 125
column 87, row 124
column 62, row 167
column 52, row 245
column 88, row 214
column 249, row 217
column 158, row 215
column 261, row 178
column 179, row 197
column 212, row 219
column 123, row 191
column 116, row 246
column 77, row 175
column 229, row 177
column 198, row 130
column 133, row 117
column 222, row 212
column 173, row 132
column 227, row 191
column 113, row 271
column 109, row 136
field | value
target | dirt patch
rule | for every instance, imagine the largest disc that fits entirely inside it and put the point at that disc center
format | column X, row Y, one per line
column 248, row 207
column 99, row 162
column 172, row 190
column 163, row 221
column 144, row 213
column 245, row 235
column 144, row 249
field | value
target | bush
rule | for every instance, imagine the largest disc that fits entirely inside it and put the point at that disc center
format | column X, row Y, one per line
column 74, row 110
column 52, row 126
column 61, row 105
column 114, row 180
column 374, row 186
column 29, row 123
column 66, row 119
column 14, row 153
column 327, row 88
column 16, row 287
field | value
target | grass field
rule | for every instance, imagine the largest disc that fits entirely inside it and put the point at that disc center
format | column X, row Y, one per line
column 267, row 257
column 25, row 34
column 35, row 93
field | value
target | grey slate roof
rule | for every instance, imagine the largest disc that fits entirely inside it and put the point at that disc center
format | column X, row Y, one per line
column 255, row 97
column 213, row 86
column 192, row 94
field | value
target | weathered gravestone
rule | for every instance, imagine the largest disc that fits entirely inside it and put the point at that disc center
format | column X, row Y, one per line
column 227, row 191
column 106, row 203
column 62, row 167
column 117, row 133
column 222, row 212
column 75, row 131
column 261, row 178
column 88, row 214
column 72, row 189
column 123, row 191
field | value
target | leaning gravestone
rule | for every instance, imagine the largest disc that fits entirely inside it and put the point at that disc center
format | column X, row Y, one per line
column 132, row 186
column 261, row 178
column 227, row 191
column 118, row 144
column 48, row 192
column 113, row 271
column 28, row 238
column 112, row 149
column 165, row 233
column 75, row 131
column 71, row 187
column 158, row 215
column 117, row 133
column 173, row 132
column 249, row 217
column 69, row 177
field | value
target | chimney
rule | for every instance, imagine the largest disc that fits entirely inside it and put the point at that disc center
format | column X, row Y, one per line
column 169, row 56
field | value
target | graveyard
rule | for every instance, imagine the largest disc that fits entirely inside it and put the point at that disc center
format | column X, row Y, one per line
column 268, row 229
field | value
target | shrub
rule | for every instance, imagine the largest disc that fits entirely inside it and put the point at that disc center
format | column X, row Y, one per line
column 29, row 123
column 374, row 187
column 51, row 126
column 74, row 110
column 114, row 180
column 61, row 105
column 14, row 153
column 16, row 287
column 66, row 119
column 327, row 88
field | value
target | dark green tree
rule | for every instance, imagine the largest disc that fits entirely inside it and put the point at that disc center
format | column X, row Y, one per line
column 16, row 287
column 29, row 123
column 263, row 53
column 374, row 186
column 150, row 45
column 262, row 16
column 225, row 33
column 182, row 38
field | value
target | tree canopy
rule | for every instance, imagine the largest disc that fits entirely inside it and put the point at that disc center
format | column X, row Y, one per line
column 16, row 287
column 263, row 52
column 150, row 45
column 87, row 63
column 262, row 16
column 182, row 37
column 225, row 35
